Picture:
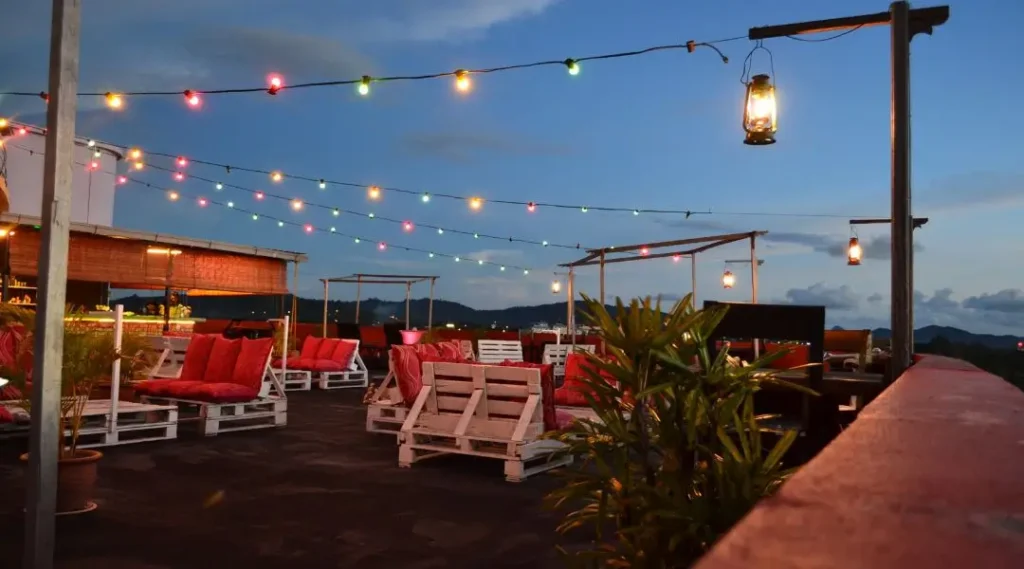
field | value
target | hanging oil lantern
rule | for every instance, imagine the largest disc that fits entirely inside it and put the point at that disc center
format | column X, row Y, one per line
column 760, row 114
column 854, row 253
column 728, row 279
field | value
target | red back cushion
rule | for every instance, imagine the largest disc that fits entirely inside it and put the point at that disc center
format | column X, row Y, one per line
column 310, row 346
column 196, row 357
column 344, row 353
column 222, row 360
column 373, row 336
column 427, row 349
column 326, row 348
column 408, row 370
column 450, row 349
column 547, row 388
column 251, row 362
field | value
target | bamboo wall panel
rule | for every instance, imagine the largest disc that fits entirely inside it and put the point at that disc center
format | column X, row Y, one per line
column 125, row 263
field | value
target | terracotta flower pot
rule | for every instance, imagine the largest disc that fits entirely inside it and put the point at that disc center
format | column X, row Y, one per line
column 76, row 481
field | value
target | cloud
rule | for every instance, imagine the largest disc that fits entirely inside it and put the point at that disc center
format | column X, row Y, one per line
column 841, row 298
column 497, row 255
column 416, row 20
column 1008, row 301
column 972, row 190
column 467, row 146
column 875, row 298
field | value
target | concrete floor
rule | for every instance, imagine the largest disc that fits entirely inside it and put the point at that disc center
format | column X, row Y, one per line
column 318, row 493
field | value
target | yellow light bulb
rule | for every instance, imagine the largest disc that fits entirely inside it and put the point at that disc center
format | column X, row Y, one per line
column 297, row 205
column 114, row 101
column 462, row 80
column 3, row 122
column 364, row 85
column 173, row 196
column 135, row 154
column 139, row 165
column 373, row 192
column 276, row 176
column 476, row 204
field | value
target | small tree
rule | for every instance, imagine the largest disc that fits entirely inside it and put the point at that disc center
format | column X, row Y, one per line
column 676, row 456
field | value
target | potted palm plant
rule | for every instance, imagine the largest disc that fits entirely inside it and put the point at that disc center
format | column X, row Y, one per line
column 677, row 454
column 88, row 358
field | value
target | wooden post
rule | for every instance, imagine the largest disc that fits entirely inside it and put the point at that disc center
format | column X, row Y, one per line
column 359, row 290
column 326, row 291
column 430, row 307
column 693, row 280
column 570, row 323
column 408, row 299
column 295, row 298
column 46, row 437
column 602, row 279
column 753, row 285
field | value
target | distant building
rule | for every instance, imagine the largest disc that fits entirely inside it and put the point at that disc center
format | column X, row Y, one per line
column 93, row 182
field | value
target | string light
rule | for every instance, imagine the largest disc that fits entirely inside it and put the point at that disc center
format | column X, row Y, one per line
column 462, row 76
column 308, row 228
column 231, row 204
column 297, row 205
column 122, row 180
column 22, row 131
column 178, row 176
column 258, row 196
column 440, row 231
column 323, row 184
column 202, row 202
column 114, row 101
column 531, row 207
column 382, row 246
column 373, row 192
column 90, row 144
column 94, row 165
column 193, row 99
column 280, row 223
column 364, row 85
column 276, row 176
column 138, row 165
column 182, row 162
column 476, row 204
column 3, row 124
column 462, row 81
column 173, row 195
column 425, row 198
column 97, row 154
column 218, row 186
column 407, row 226
column 135, row 154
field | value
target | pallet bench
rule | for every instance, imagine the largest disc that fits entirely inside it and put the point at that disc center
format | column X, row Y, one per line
column 497, row 351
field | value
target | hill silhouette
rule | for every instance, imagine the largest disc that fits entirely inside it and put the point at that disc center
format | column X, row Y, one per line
column 376, row 311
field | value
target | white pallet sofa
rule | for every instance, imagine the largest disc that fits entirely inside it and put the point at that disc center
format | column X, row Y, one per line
column 305, row 369
column 104, row 425
column 497, row 351
column 480, row 410
column 555, row 355
column 268, row 408
column 354, row 372
column 170, row 352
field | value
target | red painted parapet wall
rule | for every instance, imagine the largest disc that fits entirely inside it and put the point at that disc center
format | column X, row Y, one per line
column 930, row 475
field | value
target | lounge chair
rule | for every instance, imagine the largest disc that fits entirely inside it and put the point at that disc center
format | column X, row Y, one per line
column 555, row 355
column 389, row 402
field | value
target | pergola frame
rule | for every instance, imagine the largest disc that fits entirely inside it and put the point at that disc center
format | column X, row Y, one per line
column 690, row 247
column 361, row 278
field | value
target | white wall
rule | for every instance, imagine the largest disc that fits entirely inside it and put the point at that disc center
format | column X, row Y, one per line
column 92, row 191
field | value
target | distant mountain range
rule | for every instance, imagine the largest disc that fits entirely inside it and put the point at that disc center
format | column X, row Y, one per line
column 375, row 311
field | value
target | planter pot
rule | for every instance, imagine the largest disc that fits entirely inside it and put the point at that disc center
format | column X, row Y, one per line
column 76, row 481
column 410, row 337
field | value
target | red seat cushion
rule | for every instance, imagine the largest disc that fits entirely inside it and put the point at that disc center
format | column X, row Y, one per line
column 163, row 387
column 196, row 357
column 310, row 346
column 251, row 363
column 5, row 415
column 320, row 366
column 221, row 393
column 326, row 348
column 222, row 360
column 300, row 364
column 408, row 370
column 345, row 353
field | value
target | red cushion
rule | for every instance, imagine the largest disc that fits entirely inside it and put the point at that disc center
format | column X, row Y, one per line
column 5, row 415
column 221, row 393
column 222, row 360
column 444, row 359
column 450, row 349
column 326, row 365
column 163, row 387
column 326, row 348
column 345, row 353
column 547, row 387
column 571, row 394
column 252, row 363
column 310, row 346
column 563, row 419
column 408, row 370
column 11, row 338
column 196, row 357
column 427, row 349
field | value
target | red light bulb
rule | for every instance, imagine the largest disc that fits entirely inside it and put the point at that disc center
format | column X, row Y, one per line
column 94, row 165
column 22, row 131
column 178, row 176
column 531, row 207
column 202, row 202
column 309, row 228
column 259, row 195
column 193, row 99
column 382, row 246
column 644, row 251
column 274, row 83
column 675, row 258
column 122, row 180
column 407, row 226
column 182, row 162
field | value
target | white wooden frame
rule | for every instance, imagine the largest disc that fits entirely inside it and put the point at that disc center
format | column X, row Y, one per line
column 556, row 354
column 454, row 413
column 348, row 377
column 497, row 351
column 386, row 410
column 269, row 409
column 172, row 356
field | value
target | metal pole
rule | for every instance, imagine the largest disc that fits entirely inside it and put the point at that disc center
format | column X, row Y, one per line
column 693, row 280
column 5, row 292
column 327, row 290
column 570, row 325
column 295, row 298
column 430, row 307
column 359, row 290
column 602, row 279
column 115, row 372
column 167, row 290
column 46, row 438
column 408, row 296
column 902, row 224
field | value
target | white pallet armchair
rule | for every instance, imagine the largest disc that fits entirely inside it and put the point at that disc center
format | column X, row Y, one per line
column 497, row 351
column 555, row 354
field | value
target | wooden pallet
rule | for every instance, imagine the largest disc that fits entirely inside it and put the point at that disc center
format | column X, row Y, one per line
column 136, row 423
column 385, row 418
column 497, row 351
column 294, row 379
column 556, row 354
column 213, row 418
column 479, row 410
column 359, row 377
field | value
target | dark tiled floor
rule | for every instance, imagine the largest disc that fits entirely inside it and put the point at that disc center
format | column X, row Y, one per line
column 319, row 493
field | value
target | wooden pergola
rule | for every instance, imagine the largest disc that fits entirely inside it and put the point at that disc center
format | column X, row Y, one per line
column 690, row 247
column 359, row 279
